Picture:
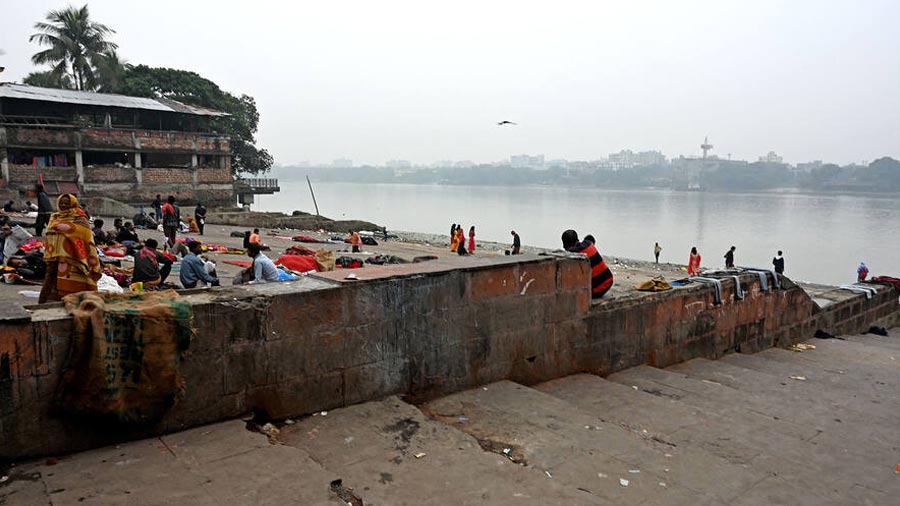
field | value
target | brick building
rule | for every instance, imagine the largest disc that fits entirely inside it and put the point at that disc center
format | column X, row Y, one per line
column 125, row 148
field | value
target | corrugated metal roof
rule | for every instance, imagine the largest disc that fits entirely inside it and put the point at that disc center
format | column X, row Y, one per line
column 25, row 92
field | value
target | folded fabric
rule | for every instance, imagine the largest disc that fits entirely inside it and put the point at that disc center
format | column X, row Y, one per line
column 305, row 238
column 653, row 285
column 738, row 291
column 868, row 290
column 885, row 280
column 762, row 277
column 717, row 285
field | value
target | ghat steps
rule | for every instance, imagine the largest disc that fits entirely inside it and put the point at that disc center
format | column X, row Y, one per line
column 775, row 427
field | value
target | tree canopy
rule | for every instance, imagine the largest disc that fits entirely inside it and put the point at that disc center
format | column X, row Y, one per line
column 77, row 46
column 191, row 88
column 81, row 58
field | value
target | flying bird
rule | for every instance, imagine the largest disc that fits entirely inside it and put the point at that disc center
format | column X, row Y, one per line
column 504, row 122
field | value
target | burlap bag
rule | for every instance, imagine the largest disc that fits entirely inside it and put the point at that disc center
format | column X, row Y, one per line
column 124, row 355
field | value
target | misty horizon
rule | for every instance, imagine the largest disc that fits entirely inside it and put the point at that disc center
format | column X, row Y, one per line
column 411, row 81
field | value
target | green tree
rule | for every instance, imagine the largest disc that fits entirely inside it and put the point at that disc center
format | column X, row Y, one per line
column 76, row 45
column 46, row 79
column 191, row 88
column 110, row 72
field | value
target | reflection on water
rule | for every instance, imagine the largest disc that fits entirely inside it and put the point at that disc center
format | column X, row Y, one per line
column 823, row 237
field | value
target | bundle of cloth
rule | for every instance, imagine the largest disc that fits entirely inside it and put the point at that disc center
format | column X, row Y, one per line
column 653, row 285
column 305, row 238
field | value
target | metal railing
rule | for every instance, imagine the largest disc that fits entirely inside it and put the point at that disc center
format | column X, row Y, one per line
column 260, row 182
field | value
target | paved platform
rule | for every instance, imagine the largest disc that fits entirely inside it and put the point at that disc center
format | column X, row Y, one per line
column 817, row 427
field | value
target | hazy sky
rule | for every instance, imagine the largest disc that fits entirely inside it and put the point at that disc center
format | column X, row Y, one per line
column 425, row 81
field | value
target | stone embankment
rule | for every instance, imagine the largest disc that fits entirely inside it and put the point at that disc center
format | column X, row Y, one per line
column 418, row 330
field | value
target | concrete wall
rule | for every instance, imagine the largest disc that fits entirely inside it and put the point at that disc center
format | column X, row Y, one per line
column 422, row 330
column 212, row 185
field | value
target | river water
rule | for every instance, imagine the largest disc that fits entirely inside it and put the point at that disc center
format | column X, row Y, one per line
column 824, row 237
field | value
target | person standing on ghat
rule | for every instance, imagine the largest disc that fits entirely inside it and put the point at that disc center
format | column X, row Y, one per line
column 171, row 220
column 517, row 243
column 729, row 258
column 694, row 263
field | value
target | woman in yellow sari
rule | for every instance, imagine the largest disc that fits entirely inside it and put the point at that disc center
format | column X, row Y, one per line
column 454, row 239
column 70, row 253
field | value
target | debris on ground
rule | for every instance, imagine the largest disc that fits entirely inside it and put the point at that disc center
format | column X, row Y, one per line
column 344, row 493
column 801, row 347
column 623, row 482
column 270, row 431
column 798, row 378
column 420, row 455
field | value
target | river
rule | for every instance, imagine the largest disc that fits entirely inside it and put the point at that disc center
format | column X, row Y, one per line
column 824, row 237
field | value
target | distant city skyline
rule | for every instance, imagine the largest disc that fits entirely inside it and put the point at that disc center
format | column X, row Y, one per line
column 623, row 158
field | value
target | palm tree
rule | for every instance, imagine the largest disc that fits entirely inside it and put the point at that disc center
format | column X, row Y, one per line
column 75, row 43
column 109, row 71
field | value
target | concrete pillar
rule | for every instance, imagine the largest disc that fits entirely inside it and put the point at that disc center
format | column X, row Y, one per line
column 79, row 167
column 137, row 160
column 4, row 160
column 195, row 175
column 4, row 165
column 194, row 161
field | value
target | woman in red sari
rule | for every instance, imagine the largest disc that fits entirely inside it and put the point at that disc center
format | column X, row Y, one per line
column 70, row 253
column 694, row 263
column 472, row 239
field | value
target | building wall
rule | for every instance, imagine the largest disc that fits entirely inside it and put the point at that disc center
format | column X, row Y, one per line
column 27, row 174
column 109, row 175
column 423, row 330
column 212, row 185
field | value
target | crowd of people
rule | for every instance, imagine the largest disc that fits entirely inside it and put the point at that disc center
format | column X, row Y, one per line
column 68, row 252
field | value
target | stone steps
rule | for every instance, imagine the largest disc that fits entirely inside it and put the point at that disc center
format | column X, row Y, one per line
column 586, row 452
column 390, row 453
column 737, row 431
column 759, row 444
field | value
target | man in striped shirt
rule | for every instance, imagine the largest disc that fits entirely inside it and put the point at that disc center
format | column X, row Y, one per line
column 601, row 276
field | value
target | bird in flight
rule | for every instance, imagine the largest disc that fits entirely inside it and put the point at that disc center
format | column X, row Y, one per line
column 504, row 122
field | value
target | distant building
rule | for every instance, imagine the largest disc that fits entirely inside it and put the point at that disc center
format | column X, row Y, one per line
column 558, row 164
column 106, row 145
column 526, row 162
column 399, row 164
column 341, row 163
column 809, row 166
column 464, row 164
column 771, row 157
column 689, row 172
column 442, row 163
column 627, row 159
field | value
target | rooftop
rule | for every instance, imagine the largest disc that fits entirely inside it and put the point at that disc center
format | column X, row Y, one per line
column 26, row 92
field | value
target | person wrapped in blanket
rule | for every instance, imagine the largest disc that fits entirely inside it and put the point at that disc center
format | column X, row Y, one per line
column 70, row 253
column 147, row 264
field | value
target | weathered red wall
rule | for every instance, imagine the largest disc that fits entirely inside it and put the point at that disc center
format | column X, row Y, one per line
column 423, row 330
